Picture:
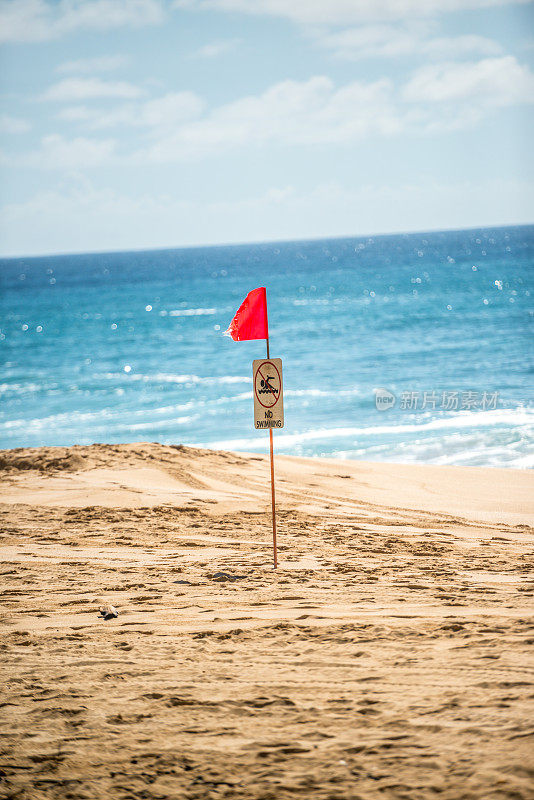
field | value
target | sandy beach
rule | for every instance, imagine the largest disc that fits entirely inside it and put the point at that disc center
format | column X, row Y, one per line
column 389, row 656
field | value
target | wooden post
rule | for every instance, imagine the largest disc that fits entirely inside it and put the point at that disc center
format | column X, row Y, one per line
column 273, row 502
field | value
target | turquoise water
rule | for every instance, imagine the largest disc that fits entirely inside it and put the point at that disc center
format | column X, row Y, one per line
column 129, row 347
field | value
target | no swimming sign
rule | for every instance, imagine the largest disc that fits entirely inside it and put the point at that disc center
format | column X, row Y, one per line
column 268, row 393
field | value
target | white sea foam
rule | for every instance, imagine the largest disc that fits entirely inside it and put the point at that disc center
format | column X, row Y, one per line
column 480, row 447
column 321, row 392
column 108, row 415
column 474, row 449
column 155, row 424
column 503, row 437
column 20, row 388
column 512, row 417
column 164, row 377
column 192, row 312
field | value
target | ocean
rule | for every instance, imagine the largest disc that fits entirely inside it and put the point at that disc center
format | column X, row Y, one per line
column 404, row 348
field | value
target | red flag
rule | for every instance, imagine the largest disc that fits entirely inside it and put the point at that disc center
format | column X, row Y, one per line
column 250, row 321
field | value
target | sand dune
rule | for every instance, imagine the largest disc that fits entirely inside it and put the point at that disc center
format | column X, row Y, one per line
column 390, row 656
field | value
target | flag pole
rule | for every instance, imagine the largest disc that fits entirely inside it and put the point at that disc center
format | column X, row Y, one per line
column 273, row 503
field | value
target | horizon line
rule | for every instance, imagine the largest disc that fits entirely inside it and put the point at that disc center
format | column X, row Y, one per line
column 268, row 241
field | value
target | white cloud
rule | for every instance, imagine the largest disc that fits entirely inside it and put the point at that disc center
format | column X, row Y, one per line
column 449, row 47
column 96, row 119
column 392, row 41
column 170, row 110
column 178, row 128
column 216, row 49
column 492, row 82
column 162, row 113
column 42, row 20
column 316, row 112
column 13, row 125
column 99, row 64
column 288, row 113
column 78, row 114
column 76, row 89
column 343, row 12
column 56, row 152
column 371, row 41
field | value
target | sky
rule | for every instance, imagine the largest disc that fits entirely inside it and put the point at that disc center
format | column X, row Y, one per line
column 139, row 124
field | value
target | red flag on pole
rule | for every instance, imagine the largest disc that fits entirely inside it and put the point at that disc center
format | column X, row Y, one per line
column 250, row 321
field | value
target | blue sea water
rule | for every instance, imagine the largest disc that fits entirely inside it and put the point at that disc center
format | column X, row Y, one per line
column 129, row 347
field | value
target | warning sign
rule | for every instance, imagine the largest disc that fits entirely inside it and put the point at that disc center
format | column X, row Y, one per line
column 268, row 393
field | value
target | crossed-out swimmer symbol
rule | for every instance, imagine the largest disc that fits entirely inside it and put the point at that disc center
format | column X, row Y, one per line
column 266, row 388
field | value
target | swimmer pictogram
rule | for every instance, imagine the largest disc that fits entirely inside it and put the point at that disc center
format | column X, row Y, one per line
column 267, row 387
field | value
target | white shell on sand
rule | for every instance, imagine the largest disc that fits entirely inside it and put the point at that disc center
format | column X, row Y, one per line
column 108, row 612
